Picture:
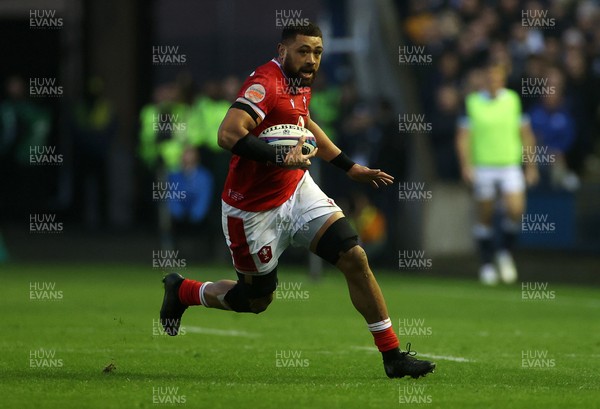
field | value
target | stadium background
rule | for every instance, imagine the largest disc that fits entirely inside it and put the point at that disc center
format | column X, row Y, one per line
column 385, row 109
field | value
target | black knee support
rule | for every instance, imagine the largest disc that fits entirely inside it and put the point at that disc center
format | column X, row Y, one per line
column 338, row 238
column 246, row 289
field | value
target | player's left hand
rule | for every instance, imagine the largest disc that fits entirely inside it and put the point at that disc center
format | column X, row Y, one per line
column 374, row 177
column 295, row 159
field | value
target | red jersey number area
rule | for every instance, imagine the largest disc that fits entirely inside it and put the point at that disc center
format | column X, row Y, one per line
column 254, row 186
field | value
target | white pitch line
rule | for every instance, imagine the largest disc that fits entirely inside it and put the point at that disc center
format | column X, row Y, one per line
column 561, row 300
column 447, row 357
column 222, row 332
column 442, row 357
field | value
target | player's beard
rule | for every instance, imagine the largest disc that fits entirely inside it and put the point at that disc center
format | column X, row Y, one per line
column 296, row 74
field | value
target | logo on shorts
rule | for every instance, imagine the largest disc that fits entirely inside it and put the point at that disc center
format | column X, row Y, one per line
column 265, row 255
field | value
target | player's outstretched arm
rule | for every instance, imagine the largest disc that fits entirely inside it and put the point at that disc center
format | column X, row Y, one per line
column 327, row 149
column 331, row 153
column 374, row 177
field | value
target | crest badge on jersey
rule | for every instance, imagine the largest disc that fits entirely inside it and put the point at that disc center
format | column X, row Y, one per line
column 255, row 93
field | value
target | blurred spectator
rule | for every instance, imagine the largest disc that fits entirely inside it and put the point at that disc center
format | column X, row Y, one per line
column 446, row 113
column 473, row 81
column 583, row 97
column 499, row 52
column 93, row 127
column 535, row 67
column 508, row 11
column 164, row 129
column 473, row 44
column 24, row 125
column 164, row 136
column 325, row 109
column 523, row 42
column 325, row 104
column 197, row 185
column 208, row 111
column 391, row 157
column 392, row 153
column 554, row 127
column 447, row 71
column 552, row 51
column 419, row 23
column 359, row 139
column 184, row 217
column 352, row 127
column 370, row 224
column 368, row 132
column 469, row 9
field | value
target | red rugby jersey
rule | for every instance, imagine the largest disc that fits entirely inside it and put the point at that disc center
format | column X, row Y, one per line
column 255, row 186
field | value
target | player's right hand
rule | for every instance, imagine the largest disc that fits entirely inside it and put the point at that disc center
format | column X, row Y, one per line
column 295, row 159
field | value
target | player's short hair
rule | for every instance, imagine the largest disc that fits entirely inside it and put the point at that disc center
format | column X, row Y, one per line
column 290, row 32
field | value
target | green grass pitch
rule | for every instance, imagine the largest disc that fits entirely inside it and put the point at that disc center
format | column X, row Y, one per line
column 310, row 349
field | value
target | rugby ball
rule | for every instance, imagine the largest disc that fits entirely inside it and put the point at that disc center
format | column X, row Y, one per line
column 286, row 136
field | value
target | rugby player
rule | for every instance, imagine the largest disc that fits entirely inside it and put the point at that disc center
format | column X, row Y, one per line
column 489, row 142
column 262, row 191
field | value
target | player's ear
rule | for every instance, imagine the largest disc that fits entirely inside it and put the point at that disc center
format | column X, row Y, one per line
column 281, row 51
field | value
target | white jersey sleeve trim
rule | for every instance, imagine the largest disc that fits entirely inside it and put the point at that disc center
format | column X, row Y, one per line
column 253, row 106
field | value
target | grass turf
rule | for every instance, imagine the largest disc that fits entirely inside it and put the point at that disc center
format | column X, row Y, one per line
column 108, row 314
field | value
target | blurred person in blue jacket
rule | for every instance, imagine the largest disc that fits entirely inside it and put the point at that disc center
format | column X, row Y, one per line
column 555, row 127
column 195, row 185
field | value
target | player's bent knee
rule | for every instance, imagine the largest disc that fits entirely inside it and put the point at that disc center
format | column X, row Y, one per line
column 353, row 259
column 258, row 305
column 252, row 297
column 237, row 299
column 356, row 255
column 337, row 240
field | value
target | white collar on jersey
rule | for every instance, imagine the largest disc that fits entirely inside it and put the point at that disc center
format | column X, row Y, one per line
column 280, row 67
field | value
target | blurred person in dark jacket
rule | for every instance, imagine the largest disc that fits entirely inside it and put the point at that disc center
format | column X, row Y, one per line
column 93, row 128
column 446, row 113
column 555, row 130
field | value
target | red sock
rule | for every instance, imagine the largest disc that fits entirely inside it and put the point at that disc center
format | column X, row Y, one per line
column 386, row 340
column 189, row 292
column 384, row 335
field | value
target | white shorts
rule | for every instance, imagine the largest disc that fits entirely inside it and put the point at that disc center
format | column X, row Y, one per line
column 256, row 240
column 509, row 179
